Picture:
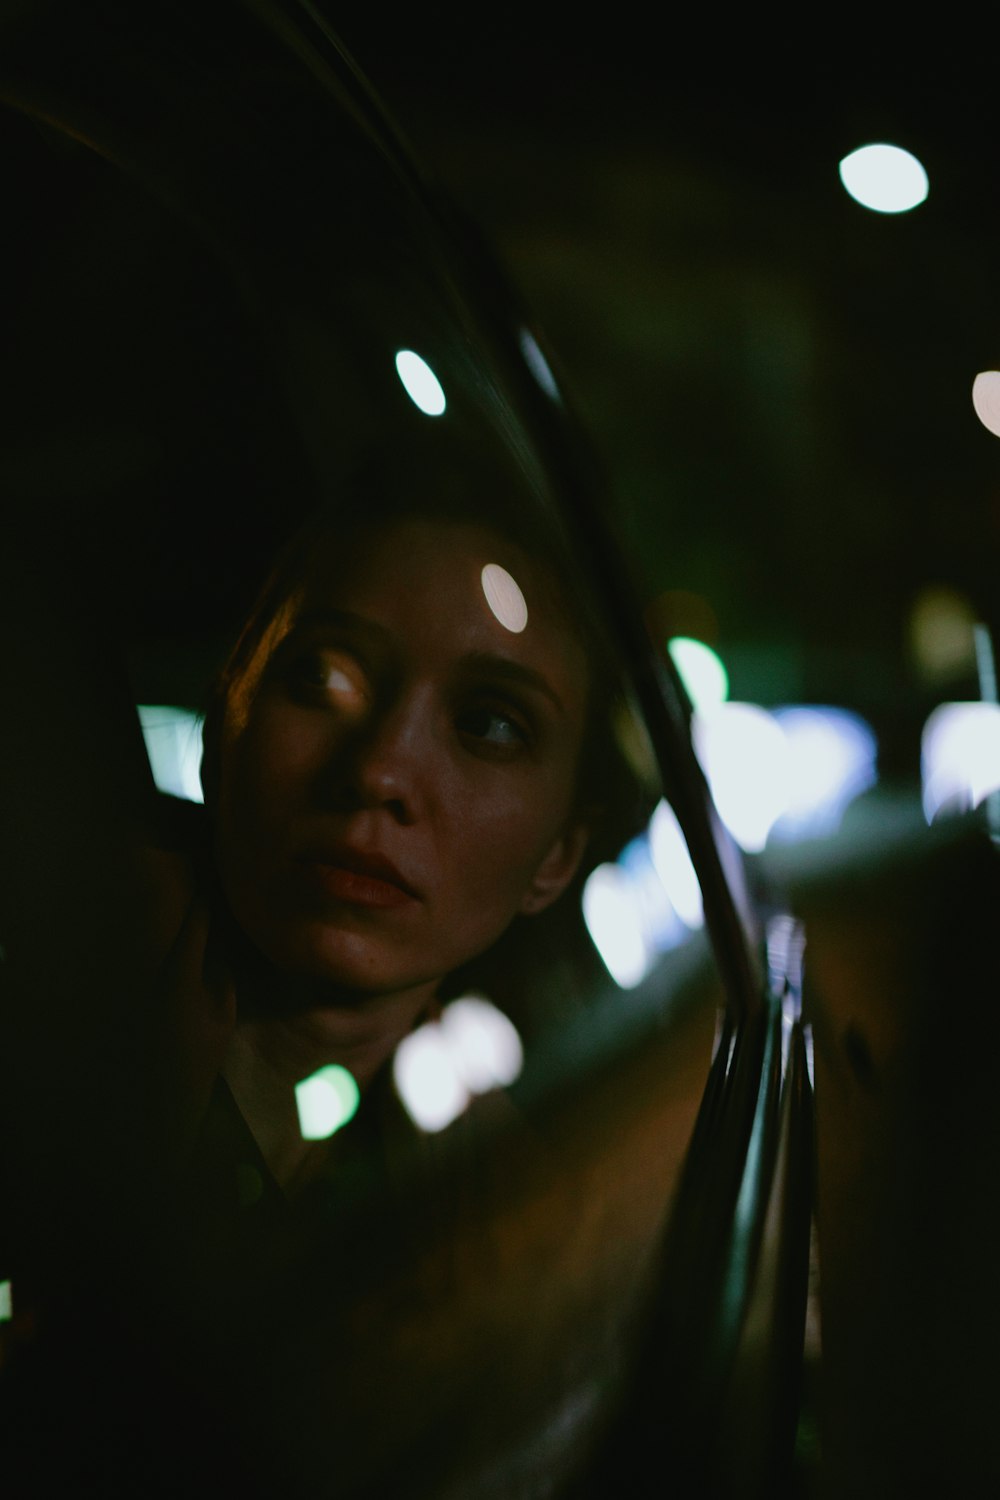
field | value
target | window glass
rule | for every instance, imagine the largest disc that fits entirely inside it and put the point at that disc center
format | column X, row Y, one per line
column 362, row 1014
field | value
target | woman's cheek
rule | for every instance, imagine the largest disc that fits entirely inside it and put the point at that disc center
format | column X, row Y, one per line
column 282, row 752
column 508, row 835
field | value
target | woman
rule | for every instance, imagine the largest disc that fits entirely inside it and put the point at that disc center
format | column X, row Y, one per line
column 400, row 760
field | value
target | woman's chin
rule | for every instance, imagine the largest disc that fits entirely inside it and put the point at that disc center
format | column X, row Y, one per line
column 351, row 966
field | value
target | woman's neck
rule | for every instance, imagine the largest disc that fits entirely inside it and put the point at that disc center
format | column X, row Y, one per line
column 275, row 1047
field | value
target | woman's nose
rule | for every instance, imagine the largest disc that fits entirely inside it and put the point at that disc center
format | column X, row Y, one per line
column 384, row 761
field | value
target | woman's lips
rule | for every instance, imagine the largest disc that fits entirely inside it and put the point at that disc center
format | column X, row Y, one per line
column 361, row 879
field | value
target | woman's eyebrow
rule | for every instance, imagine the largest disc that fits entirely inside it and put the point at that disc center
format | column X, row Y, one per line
column 342, row 619
column 507, row 670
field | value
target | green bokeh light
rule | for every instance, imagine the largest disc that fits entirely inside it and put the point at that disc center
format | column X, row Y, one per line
column 701, row 671
column 326, row 1100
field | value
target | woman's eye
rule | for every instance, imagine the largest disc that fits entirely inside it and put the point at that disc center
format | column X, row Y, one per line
column 331, row 676
column 495, row 728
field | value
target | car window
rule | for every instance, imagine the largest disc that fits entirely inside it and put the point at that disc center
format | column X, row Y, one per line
column 368, row 933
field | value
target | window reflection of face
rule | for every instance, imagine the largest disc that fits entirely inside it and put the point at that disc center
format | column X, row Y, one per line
column 402, row 783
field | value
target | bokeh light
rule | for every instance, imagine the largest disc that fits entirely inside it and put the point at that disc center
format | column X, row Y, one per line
column 325, row 1101
column 986, row 399
column 942, row 634
column 6, row 1302
column 612, row 913
column 646, row 903
column 483, row 1042
column 173, row 738
column 441, row 1066
column 537, row 364
column 672, row 862
column 420, row 383
column 959, row 757
column 504, row 597
column 701, row 670
column 790, row 773
column 884, row 178
column 745, row 757
column 427, row 1080
column 660, row 922
column 832, row 756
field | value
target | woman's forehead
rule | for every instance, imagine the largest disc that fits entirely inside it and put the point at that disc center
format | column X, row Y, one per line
column 461, row 564
column 450, row 576
column 411, row 544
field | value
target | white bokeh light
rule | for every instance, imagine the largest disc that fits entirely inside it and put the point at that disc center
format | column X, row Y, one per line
column 986, row 399
column 701, row 670
column 483, row 1042
column 744, row 755
column 831, row 755
column 420, row 383
column 504, row 597
column 669, row 852
column 662, row 926
column 614, row 921
column 959, row 757
column 884, row 178
column 537, row 364
column 441, row 1066
column 173, row 744
column 427, row 1080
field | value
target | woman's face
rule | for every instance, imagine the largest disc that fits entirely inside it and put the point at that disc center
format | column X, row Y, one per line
column 401, row 782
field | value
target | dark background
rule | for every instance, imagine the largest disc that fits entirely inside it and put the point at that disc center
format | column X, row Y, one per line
column 777, row 380
column 778, row 384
